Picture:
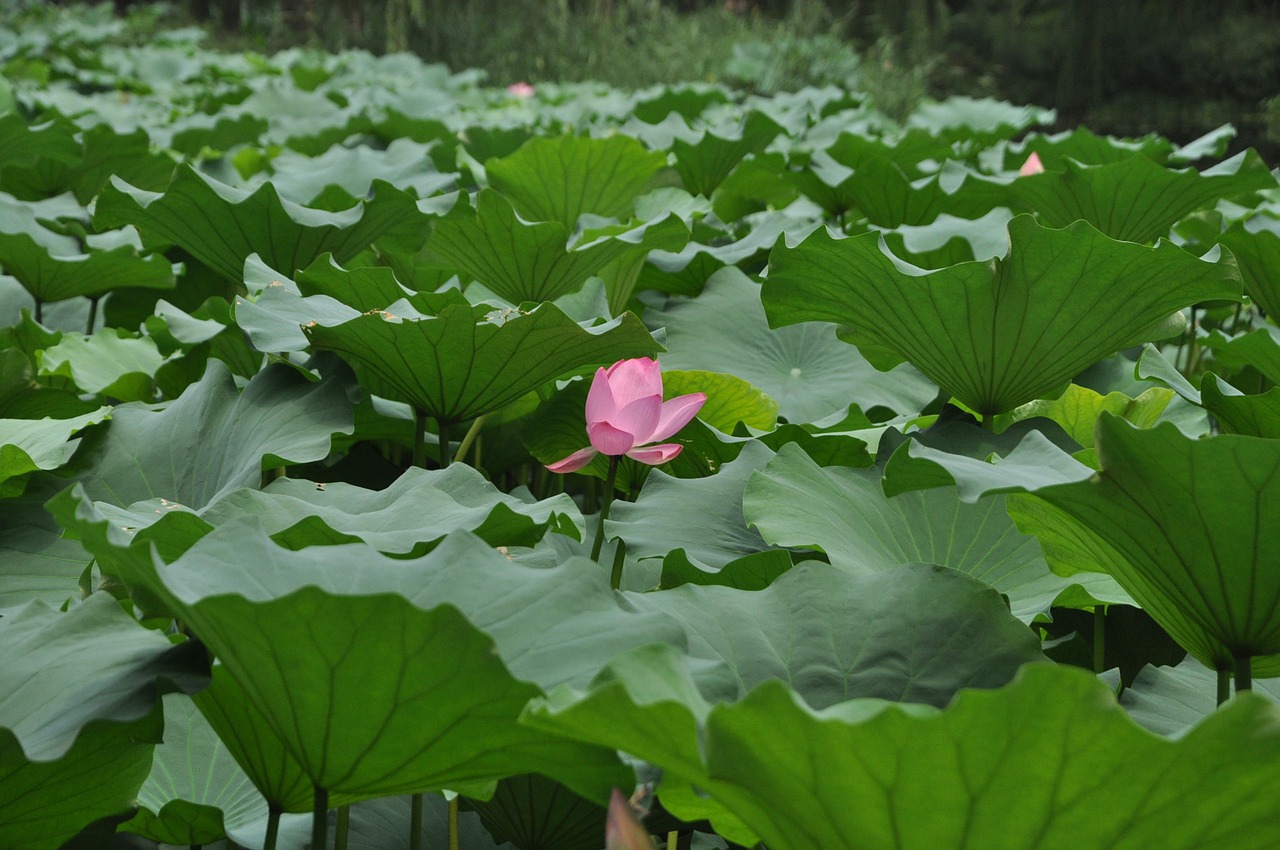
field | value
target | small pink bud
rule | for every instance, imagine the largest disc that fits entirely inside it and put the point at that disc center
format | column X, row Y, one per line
column 520, row 89
column 622, row 829
column 1033, row 165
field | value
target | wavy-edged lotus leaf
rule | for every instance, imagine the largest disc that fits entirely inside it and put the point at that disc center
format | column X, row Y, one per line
column 111, row 362
column 559, row 179
column 1083, row 146
column 363, row 288
column 869, row 774
column 686, row 271
column 703, row 163
column 193, row 133
column 1237, row 413
column 1078, row 408
column 533, row 261
column 407, row 518
column 1135, row 200
column 1259, row 348
column 467, row 361
column 950, row 240
column 976, row 120
column 1190, row 520
column 1258, row 253
column 750, row 572
column 102, row 153
column 214, row 438
column 843, row 512
column 702, row 516
column 404, row 163
column 1169, row 700
column 31, row 444
column 535, row 813
column 918, row 633
column 806, row 369
column 55, row 277
column 440, row 714
column 36, row 560
column 196, row 793
column 23, row 145
column 221, row 226
column 1001, row 333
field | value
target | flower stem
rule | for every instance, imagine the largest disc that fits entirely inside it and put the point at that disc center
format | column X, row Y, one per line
column 453, row 824
column 469, row 438
column 605, row 504
column 619, row 558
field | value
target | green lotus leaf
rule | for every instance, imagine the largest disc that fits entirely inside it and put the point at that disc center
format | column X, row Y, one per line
column 363, row 288
column 221, row 226
column 23, row 145
column 1259, row 348
column 976, row 120
column 822, row 630
column 468, row 361
column 54, row 277
column 191, row 134
column 214, row 438
column 1078, row 408
column 523, row 261
column 1086, row 147
column 196, row 793
column 102, row 152
column 1135, row 200
column 404, row 163
column 36, row 561
column 1258, row 253
column 112, row 363
column 384, row 824
column 844, row 513
column 949, row 240
column 868, row 774
column 809, row 372
column 451, row 702
column 31, row 444
column 703, row 163
column 559, row 179
column 1001, row 333
column 532, row 812
column 750, row 572
column 1236, row 413
column 1169, row 700
column 1188, row 519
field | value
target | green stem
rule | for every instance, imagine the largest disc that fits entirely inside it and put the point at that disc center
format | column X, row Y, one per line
column 619, row 558
column 453, row 824
column 988, row 422
column 39, row 311
column 469, row 438
column 1235, row 319
column 273, row 827
column 93, row 315
column 443, row 428
column 672, row 837
column 340, row 832
column 415, row 822
column 1099, row 638
column 419, row 438
column 1224, row 685
column 1244, row 673
column 320, row 821
column 604, row 507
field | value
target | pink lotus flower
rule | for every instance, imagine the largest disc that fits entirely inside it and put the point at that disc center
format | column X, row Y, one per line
column 1033, row 165
column 626, row 414
column 520, row 89
column 622, row 829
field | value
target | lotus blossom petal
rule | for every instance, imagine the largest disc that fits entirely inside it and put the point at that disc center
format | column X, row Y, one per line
column 600, row 402
column 575, row 461
column 633, row 379
column 676, row 414
column 521, row 89
column 622, row 829
column 654, row 455
column 609, row 440
column 1033, row 165
column 639, row 418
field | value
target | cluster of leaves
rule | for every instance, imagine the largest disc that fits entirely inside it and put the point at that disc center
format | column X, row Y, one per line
column 284, row 345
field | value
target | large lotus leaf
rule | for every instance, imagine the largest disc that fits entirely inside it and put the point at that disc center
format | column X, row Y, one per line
column 214, row 439
column 523, row 261
column 844, row 512
column 1078, row 408
column 258, row 752
column 407, row 517
column 363, row 288
column 111, row 363
column 532, row 812
column 1191, row 520
column 976, row 120
column 1001, row 333
column 54, row 277
column 1258, row 348
column 866, row 774
column 1258, row 253
column 439, row 715
column 558, row 179
column 1135, row 200
column 705, row 162
column 196, row 792
column 404, row 163
column 685, row 272
column 1083, row 146
column 22, row 145
column 702, row 516
column 1236, row 413
column 105, row 152
column 949, row 240
column 221, row 226
column 36, row 561
column 30, row 444
column 806, row 369
column 468, row 361
column 1168, row 700
column 918, row 633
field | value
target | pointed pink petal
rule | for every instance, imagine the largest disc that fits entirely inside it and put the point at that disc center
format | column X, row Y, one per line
column 634, row 379
column 654, row 455
column 600, row 401
column 676, row 414
column 1033, row 165
column 639, row 418
column 573, row 462
column 622, row 830
column 608, row 439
